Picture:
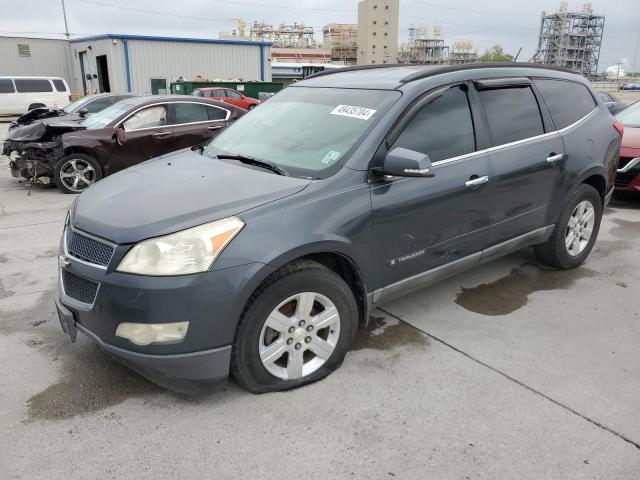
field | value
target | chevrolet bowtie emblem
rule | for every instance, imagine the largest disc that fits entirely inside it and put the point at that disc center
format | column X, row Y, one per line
column 62, row 261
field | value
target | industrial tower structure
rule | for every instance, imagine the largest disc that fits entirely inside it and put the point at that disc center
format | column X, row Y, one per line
column 342, row 39
column 571, row 39
column 378, row 31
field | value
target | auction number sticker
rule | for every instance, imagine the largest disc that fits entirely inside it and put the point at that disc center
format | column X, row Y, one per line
column 354, row 112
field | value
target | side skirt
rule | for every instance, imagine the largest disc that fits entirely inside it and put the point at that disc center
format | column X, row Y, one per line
column 411, row 284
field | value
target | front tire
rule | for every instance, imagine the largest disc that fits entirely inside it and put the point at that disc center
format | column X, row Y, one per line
column 575, row 233
column 76, row 172
column 296, row 329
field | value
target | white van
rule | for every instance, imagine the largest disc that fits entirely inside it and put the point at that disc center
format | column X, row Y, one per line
column 21, row 94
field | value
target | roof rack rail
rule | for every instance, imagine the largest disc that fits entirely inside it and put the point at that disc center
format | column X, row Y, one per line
column 438, row 69
column 473, row 66
column 357, row 67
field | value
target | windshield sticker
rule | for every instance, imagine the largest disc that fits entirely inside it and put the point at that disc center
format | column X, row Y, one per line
column 354, row 112
column 331, row 157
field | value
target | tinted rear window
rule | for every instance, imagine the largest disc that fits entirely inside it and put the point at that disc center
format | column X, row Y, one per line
column 567, row 102
column 31, row 85
column 60, row 86
column 6, row 85
column 512, row 113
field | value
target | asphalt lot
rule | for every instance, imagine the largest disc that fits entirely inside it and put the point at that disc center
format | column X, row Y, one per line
column 507, row 371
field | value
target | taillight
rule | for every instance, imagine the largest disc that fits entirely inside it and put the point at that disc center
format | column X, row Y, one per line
column 619, row 128
column 70, row 98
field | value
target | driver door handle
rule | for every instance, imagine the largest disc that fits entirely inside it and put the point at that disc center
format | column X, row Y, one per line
column 553, row 158
column 215, row 127
column 476, row 182
column 161, row 134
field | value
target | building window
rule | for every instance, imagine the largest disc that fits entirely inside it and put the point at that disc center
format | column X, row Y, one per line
column 23, row 50
column 386, row 33
column 374, row 33
column 386, row 7
column 373, row 61
column 384, row 46
column 375, row 6
column 373, row 46
column 384, row 61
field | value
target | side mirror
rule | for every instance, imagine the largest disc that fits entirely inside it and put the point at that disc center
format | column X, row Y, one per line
column 83, row 112
column 121, row 135
column 402, row 162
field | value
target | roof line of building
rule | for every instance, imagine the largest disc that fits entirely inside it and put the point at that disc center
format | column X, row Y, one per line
column 153, row 38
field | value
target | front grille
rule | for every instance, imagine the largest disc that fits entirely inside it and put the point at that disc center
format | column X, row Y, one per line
column 87, row 249
column 79, row 288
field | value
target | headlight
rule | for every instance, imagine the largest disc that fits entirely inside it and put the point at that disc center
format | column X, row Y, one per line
column 189, row 251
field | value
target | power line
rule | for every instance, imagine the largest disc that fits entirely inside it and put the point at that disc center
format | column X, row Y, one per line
column 480, row 12
column 152, row 12
column 286, row 7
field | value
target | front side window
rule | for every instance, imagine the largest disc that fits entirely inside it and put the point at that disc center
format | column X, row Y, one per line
column 6, row 85
column 33, row 85
column 108, row 115
column 218, row 93
column 60, row 86
column 99, row 104
column 309, row 132
column 512, row 114
column 567, row 101
column 441, row 129
column 147, row 118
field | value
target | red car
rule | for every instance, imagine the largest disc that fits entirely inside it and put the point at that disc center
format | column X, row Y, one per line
column 227, row 95
column 628, row 177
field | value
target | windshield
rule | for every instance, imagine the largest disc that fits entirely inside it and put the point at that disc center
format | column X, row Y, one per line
column 102, row 118
column 630, row 116
column 308, row 132
column 77, row 105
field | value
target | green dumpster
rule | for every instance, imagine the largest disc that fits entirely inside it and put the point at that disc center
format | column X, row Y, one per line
column 259, row 90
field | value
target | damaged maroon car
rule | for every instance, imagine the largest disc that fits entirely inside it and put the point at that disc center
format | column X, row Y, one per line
column 75, row 155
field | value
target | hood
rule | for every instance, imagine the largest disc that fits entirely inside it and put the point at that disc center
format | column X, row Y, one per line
column 39, row 113
column 174, row 192
column 630, row 141
column 42, row 130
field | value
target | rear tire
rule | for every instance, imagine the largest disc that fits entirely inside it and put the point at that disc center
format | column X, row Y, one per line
column 76, row 172
column 301, row 309
column 575, row 233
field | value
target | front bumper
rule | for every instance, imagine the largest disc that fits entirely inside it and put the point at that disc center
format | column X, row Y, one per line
column 628, row 176
column 212, row 302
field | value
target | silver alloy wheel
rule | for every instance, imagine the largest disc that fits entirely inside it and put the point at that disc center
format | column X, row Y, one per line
column 580, row 228
column 299, row 335
column 77, row 174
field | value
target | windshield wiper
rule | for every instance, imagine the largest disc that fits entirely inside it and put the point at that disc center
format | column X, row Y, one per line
column 254, row 161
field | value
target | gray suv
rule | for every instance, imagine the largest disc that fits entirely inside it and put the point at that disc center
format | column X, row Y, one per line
column 261, row 253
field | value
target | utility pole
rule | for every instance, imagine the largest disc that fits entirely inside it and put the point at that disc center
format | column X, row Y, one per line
column 66, row 26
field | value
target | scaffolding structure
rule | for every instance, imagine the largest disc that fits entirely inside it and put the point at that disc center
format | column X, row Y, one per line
column 432, row 50
column 297, row 35
column 571, row 39
column 342, row 39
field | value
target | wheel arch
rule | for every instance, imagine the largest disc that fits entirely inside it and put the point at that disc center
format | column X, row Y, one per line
column 84, row 151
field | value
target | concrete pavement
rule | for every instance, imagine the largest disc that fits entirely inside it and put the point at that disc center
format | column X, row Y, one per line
column 506, row 371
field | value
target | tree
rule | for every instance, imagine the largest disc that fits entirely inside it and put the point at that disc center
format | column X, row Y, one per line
column 495, row 54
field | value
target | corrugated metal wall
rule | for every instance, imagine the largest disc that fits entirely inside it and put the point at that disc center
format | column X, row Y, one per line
column 166, row 59
column 115, row 61
column 170, row 60
column 48, row 58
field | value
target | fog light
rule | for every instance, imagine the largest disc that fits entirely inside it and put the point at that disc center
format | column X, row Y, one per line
column 147, row 333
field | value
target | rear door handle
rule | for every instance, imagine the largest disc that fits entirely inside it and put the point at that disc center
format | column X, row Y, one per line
column 553, row 158
column 215, row 127
column 161, row 134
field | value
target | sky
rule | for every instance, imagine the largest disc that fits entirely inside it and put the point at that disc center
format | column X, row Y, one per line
column 511, row 23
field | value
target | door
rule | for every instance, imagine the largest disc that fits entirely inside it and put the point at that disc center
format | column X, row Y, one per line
column 422, row 223
column 526, row 160
column 234, row 98
column 195, row 123
column 8, row 97
column 103, row 74
column 148, row 135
